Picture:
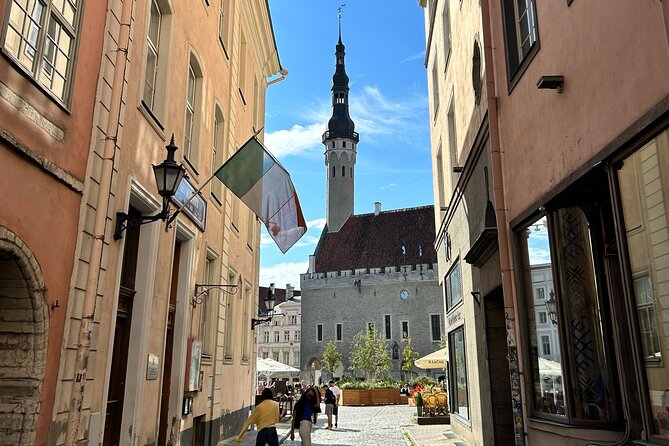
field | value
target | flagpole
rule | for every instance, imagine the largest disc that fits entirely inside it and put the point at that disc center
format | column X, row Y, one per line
column 213, row 174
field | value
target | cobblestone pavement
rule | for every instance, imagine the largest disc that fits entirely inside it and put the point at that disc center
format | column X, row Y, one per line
column 363, row 426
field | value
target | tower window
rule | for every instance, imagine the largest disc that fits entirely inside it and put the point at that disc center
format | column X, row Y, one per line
column 343, row 171
column 333, row 143
column 351, row 172
column 333, row 171
column 343, row 144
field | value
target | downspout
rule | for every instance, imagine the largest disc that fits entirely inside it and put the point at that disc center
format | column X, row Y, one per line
column 506, row 267
column 97, row 245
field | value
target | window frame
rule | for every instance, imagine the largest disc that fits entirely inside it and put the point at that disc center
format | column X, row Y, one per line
column 452, row 373
column 450, row 305
column 388, row 326
column 432, row 339
column 339, row 332
column 516, row 68
column 408, row 335
column 319, row 333
column 34, row 72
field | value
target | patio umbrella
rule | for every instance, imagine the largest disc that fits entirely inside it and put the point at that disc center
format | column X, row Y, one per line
column 270, row 368
column 435, row 360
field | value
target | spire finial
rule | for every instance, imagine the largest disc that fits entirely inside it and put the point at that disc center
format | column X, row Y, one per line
column 339, row 9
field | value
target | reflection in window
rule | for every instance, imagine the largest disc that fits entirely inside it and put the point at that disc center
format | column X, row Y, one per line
column 458, row 372
column 453, row 286
column 546, row 362
column 644, row 182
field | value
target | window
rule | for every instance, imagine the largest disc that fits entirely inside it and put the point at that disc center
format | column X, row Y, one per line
column 405, row 329
column 292, row 319
column 41, row 36
column 265, row 355
column 297, row 335
column 441, row 192
column 343, row 171
column 250, row 229
column 453, row 286
column 217, row 151
column 275, row 356
column 457, row 373
column 266, row 336
column 319, row 332
column 351, row 172
column 286, row 336
column 343, row 144
column 546, row 345
column 229, row 321
column 242, row 65
column 520, row 29
column 209, row 306
column 223, row 21
column 542, row 317
column 333, row 171
column 387, row 326
column 247, row 301
column 339, row 334
column 643, row 179
column 296, row 359
column 286, row 357
column 153, row 45
column 370, row 327
column 558, row 253
column 435, row 327
column 435, row 89
column 276, row 336
column 192, row 112
column 452, row 138
column 446, row 26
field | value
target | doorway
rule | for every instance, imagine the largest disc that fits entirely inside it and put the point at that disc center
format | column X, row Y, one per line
column 119, row 362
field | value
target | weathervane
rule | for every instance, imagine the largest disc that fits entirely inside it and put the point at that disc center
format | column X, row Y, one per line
column 339, row 15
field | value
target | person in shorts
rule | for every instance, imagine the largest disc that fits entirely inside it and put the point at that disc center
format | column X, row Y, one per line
column 337, row 393
column 330, row 402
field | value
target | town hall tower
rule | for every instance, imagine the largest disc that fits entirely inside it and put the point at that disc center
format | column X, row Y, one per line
column 340, row 140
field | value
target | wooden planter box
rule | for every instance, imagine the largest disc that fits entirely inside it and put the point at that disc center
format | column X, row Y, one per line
column 370, row 397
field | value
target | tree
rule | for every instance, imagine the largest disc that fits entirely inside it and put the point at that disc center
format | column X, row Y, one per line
column 409, row 355
column 369, row 354
column 331, row 357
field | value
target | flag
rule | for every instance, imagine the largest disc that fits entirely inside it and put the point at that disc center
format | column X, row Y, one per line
column 404, row 248
column 420, row 250
column 258, row 179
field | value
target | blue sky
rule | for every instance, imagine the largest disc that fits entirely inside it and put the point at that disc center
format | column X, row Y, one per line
column 385, row 49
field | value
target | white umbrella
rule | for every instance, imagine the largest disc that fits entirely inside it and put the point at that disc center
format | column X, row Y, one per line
column 435, row 360
column 271, row 368
column 549, row 368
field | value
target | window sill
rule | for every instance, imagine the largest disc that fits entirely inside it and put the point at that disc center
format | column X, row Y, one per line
column 225, row 51
column 207, row 359
column 152, row 119
column 462, row 420
column 455, row 307
column 191, row 167
column 228, row 360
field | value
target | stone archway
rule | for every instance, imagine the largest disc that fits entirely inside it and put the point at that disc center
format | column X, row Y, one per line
column 24, row 321
column 314, row 371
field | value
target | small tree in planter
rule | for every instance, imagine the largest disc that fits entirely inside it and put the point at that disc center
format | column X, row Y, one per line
column 331, row 357
column 409, row 355
column 418, row 398
column 369, row 354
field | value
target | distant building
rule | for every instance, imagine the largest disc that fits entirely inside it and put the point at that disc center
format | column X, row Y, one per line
column 373, row 271
column 280, row 338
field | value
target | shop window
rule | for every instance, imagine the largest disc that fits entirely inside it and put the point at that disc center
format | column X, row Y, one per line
column 643, row 180
column 580, row 371
column 457, row 373
column 453, row 286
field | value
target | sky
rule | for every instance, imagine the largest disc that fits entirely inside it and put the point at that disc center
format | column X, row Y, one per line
column 385, row 51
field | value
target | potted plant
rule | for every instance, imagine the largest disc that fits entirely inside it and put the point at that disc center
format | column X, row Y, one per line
column 418, row 398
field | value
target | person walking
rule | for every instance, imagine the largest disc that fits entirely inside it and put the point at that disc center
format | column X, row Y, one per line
column 330, row 401
column 264, row 416
column 302, row 416
column 337, row 393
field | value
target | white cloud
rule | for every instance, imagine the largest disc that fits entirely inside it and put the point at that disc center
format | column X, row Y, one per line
column 388, row 186
column 299, row 139
column 418, row 56
column 316, row 224
column 539, row 256
column 283, row 273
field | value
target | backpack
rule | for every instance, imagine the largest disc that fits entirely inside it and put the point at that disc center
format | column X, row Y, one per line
column 330, row 397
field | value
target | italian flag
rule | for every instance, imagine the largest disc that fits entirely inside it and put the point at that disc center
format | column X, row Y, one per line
column 258, row 179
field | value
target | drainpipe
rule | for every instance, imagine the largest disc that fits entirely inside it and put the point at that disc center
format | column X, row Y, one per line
column 97, row 245
column 506, row 267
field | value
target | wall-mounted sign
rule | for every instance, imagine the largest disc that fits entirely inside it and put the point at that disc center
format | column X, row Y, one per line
column 196, row 209
column 193, row 359
column 152, row 366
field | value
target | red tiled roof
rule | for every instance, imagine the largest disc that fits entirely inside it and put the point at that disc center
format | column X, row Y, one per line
column 279, row 296
column 369, row 241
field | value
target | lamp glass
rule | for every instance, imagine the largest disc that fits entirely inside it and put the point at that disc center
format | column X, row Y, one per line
column 269, row 302
column 168, row 176
column 551, row 304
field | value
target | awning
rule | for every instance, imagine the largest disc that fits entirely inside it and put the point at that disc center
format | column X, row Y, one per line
column 549, row 368
column 435, row 360
column 270, row 368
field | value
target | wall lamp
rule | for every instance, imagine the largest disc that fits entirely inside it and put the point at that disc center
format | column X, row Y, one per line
column 553, row 82
column 269, row 305
column 168, row 176
column 551, row 307
column 202, row 290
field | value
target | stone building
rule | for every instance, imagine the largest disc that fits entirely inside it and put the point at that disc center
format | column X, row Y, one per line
column 466, row 236
column 279, row 339
column 49, row 64
column 582, row 155
column 158, row 346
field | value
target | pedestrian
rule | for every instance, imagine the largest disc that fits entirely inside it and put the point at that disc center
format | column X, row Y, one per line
column 330, row 401
column 337, row 393
column 264, row 416
column 302, row 416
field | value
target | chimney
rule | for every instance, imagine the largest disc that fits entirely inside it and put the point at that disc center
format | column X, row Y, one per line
column 377, row 208
column 289, row 291
column 312, row 264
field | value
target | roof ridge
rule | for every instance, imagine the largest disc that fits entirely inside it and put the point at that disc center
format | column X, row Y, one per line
column 390, row 211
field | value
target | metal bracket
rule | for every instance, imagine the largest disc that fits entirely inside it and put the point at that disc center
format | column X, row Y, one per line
column 203, row 289
column 125, row 221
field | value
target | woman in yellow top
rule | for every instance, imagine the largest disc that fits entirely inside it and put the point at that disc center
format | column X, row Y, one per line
column 264, row 416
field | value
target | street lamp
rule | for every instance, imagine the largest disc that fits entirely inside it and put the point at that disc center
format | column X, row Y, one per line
column 269, row 305
column 551, row 307
column 168, row 176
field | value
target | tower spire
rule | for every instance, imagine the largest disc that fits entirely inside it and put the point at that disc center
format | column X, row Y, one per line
column 339, row 9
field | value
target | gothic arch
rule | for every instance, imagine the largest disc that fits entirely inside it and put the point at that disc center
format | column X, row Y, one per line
column 24, row 322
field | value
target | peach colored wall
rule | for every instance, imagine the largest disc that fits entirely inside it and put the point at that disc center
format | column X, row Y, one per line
column 42, row 210
column 615, row 64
